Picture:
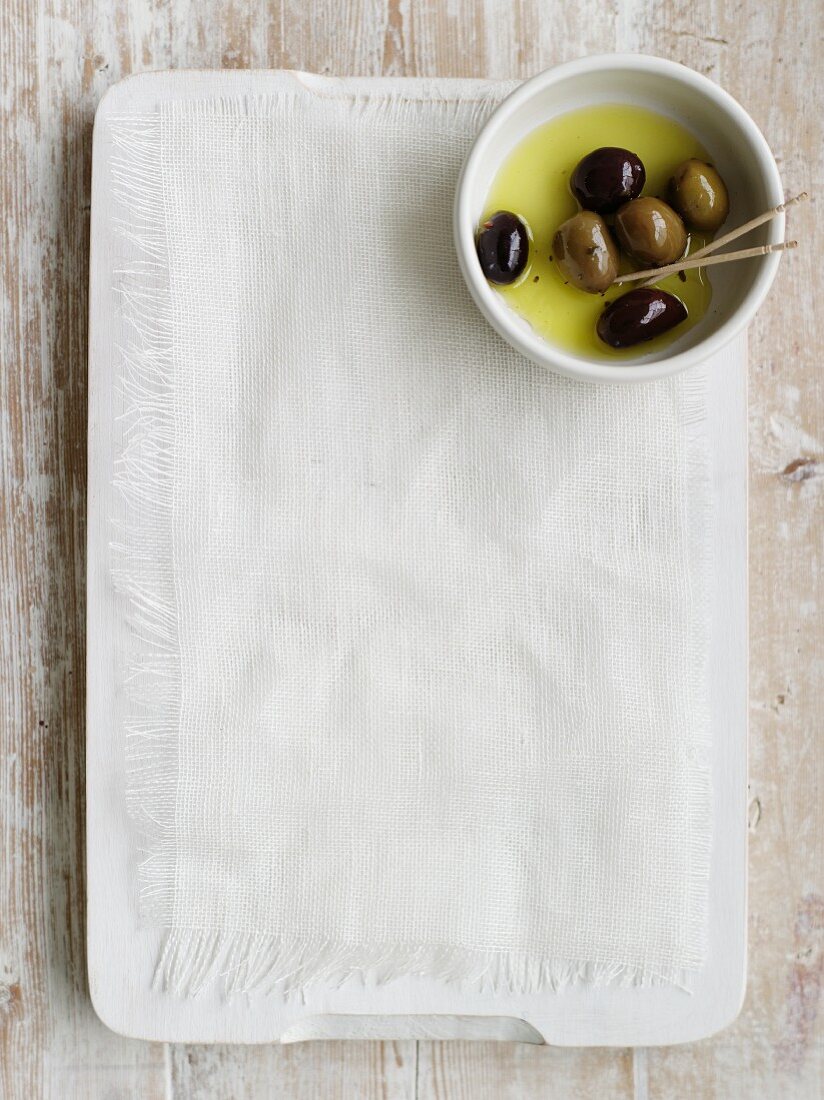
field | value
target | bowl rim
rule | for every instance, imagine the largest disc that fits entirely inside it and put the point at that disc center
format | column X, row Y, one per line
column 536, row 347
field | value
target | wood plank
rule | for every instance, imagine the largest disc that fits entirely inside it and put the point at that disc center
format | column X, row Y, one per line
column 50, row 1040
column 512, row 1071
column 768, row 57
column 302, row 1071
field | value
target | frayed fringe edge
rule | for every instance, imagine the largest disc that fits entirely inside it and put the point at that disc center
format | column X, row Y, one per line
column 141, row 549
column 238, row 963
column 465, row 104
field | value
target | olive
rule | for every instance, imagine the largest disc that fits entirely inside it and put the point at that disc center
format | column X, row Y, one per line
column 639, row 315
column 585, row 252
column 502, row 243
column 606, row 178
column 699, row 195
column 651, row 231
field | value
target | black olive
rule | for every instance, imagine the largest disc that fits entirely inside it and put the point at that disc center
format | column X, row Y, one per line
column 607, row 178
column 502, row 243
column 640, row 315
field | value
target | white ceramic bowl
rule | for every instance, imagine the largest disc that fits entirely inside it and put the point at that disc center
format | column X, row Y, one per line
column 724, row 128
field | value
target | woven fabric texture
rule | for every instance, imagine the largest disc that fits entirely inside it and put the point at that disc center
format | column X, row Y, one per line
column 417, row 681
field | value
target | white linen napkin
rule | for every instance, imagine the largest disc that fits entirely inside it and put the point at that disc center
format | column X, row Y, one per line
column 417, row 670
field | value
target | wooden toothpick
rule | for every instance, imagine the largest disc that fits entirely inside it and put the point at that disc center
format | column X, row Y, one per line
column 685, row 265
column 734, row 234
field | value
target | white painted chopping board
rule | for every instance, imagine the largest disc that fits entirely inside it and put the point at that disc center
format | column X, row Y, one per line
column 121, row 952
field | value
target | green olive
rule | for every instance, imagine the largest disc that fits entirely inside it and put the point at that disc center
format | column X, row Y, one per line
column 586, row 253
column 699, row 195
column 651, row 231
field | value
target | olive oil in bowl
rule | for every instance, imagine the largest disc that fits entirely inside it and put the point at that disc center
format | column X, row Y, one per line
column 533, row 183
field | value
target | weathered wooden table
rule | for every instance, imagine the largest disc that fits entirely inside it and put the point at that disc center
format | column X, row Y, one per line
column 56, row 59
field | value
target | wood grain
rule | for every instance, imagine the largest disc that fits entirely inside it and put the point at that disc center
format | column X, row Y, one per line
column 322, row 1071
column 56, row 59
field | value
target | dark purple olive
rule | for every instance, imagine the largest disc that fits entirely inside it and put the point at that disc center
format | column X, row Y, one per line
column 640, row 315
column 607, row 178
column 502, row 242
